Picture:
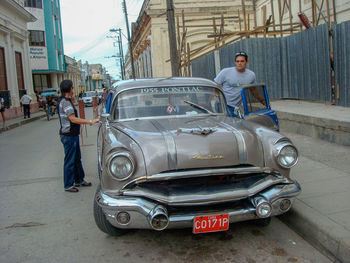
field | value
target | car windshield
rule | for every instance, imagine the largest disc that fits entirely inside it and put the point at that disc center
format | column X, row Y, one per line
column 165, row 101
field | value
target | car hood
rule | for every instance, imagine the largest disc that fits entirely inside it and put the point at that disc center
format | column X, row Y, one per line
column 194, row 142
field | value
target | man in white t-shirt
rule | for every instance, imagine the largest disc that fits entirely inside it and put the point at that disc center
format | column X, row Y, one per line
column 231, row 79
column 25, row 102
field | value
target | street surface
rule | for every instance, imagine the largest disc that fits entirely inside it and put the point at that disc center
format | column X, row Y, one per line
column 39, row 222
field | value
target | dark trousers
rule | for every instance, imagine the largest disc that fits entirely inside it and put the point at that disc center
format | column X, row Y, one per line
column 26, row 110
column 73, row 169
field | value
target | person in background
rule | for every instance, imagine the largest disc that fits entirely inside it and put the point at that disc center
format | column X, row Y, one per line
column 25, row 102
column 73, row 173
column 231, row 79
column 2, row 110
column 104, row 96
column 50, row 102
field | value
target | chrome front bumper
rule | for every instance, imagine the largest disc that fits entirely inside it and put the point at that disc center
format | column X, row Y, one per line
column 141, row 209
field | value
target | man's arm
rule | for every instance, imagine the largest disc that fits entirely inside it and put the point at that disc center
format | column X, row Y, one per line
column 77, row 120
column 257, row 95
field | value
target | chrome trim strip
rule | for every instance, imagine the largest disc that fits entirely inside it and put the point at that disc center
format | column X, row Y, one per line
column 207, row 196
column 170, row 144
column 142, row 206
column 242, row 147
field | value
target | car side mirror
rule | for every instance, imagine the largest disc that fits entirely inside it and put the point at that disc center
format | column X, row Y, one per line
column 104, row 117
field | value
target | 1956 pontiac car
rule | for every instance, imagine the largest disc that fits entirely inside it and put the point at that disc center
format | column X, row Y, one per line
column 170, row 156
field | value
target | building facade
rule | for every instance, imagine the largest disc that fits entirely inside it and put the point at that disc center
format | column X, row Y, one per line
column 15, row 67
column 150, row 40
column 75, row 74
column 46, row 43
column 204, row 26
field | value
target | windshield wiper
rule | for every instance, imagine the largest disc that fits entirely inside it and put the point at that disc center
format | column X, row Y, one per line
column 199, row 107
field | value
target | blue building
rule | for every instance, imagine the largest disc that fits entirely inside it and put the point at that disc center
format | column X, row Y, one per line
column 46, row 43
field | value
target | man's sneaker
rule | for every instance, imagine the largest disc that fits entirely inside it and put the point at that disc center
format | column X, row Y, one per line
column 84, row 183
column 72, row 189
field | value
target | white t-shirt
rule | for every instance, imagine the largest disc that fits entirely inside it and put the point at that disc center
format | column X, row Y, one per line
column 26, row 99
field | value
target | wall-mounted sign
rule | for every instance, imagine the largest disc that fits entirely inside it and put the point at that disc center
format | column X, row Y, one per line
column 38, row 57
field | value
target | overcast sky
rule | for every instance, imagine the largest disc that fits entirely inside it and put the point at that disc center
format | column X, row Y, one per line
column 86, row 25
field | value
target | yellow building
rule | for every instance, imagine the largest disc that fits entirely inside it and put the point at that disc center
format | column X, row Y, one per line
column 74, row 73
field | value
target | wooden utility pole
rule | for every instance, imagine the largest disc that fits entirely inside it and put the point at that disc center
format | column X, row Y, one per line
column 174, row 60
column 244, row 15
column 129, row 40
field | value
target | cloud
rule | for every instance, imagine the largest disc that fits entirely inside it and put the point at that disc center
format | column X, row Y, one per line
column 86, row 25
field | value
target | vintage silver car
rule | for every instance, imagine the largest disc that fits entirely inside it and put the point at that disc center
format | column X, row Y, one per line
column 169, row 156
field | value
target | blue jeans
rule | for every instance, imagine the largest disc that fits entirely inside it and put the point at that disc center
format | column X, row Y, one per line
column 231, row 110
column 73, row 169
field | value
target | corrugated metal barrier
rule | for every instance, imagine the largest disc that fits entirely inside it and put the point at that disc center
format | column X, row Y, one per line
column 204, row 67
column 341, row 47
column 297, row 66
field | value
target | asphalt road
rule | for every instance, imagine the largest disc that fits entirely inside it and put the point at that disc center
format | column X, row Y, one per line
column 39, row 222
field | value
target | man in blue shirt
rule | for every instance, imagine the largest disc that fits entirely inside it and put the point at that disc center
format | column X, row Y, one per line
column 231, row 79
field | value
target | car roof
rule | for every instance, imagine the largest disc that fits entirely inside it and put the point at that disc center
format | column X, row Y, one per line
column 158, row 82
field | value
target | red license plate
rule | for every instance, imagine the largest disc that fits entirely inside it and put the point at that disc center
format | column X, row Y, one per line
column 211, row 223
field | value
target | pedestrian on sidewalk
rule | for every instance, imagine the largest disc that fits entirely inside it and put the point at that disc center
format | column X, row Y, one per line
column 2, row 110
column 231, row 79
column 69, row 132
column 25, row 102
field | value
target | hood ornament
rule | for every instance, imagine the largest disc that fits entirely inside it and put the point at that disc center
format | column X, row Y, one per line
column 198, row 131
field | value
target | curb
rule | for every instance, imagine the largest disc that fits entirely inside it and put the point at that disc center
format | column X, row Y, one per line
column 333, row 131
column 21, row 122
column 326, row 235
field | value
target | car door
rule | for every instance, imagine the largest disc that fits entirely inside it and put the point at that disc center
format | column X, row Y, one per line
column 257, row 107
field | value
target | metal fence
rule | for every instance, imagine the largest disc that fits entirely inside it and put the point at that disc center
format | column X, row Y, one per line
column 296, row 66
column 204, row 67
column 341, row 47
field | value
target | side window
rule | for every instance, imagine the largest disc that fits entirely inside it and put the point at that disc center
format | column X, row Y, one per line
column 255, row 99
column 114, row 110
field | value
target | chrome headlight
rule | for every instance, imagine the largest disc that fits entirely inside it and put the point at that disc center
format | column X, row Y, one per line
column 287, row 155
column 121, row 165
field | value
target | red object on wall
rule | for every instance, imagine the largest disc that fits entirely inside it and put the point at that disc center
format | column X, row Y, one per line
column 304, row 20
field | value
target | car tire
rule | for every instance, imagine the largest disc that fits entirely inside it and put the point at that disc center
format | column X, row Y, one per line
column 263, row 222
column 102, row 222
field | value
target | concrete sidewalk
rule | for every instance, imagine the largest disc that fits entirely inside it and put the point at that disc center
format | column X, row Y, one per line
column 16, row 122
column 321, row 214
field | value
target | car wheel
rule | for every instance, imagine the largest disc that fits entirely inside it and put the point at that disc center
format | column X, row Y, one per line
column 262, row 222
column 102, row 222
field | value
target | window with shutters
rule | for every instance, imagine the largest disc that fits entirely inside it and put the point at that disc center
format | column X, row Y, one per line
column 19, row 70
column 3, row 77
